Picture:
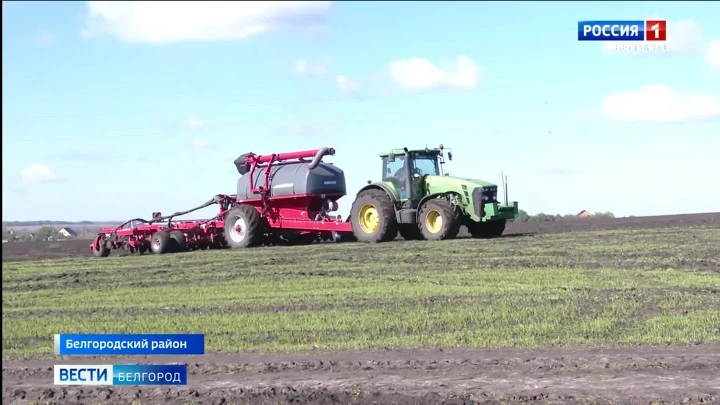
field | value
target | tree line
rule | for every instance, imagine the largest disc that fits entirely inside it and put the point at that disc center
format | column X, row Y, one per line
column 45, row 223
column 45, row 233
column 523, row 216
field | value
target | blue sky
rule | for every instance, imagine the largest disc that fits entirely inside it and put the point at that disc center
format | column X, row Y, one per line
column 112, row 110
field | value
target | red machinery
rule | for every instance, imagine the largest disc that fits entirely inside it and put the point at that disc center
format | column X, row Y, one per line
column 282, row 198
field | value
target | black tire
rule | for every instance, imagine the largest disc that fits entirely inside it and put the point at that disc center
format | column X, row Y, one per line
column 343, row 237
column 292, row 238
column 160, row 243
column 491, row 229
column 177, row 239
column 306, row 239
column 410, row 232
column 251, row 226
column 102, row 250
column 440, row 209
column 387, row 226
column 498, row 228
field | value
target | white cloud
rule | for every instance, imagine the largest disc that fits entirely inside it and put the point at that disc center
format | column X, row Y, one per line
column 713, row 54
column 682, row 37
column 305, row 68
column 421, row 74
column 38, row 174
column 345, row 84
column 659, row 103
column 45, row 38
column 200, row 143
column 195, row 124
column 163, row 22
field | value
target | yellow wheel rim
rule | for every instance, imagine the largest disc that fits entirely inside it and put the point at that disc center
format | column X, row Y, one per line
column 369, row 218
column 433, row 221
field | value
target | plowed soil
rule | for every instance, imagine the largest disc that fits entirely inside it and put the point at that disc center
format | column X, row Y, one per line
column 633, row 374
column 80, row 248
column 638, row 375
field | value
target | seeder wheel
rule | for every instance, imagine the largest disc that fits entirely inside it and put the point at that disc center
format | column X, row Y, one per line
column 101, row 250
column 160, row 242
column 177, row 239
column 243, row 227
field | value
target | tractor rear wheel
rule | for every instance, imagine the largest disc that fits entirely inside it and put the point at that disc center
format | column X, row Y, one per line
column 178, row 240
column 410, row 232
column 438, row 220
column 373, row 217
column 160, row 242
column 243, row 227
column 490, row 229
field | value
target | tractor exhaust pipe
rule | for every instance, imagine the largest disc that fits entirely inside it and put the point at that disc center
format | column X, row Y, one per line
column 408, row 176
column 506, row 191
column 503, row 179
column 321, row 153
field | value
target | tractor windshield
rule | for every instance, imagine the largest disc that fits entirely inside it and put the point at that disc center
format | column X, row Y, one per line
column 425, row 164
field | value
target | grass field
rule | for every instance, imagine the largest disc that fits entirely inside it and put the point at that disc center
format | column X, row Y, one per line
column 580, row 288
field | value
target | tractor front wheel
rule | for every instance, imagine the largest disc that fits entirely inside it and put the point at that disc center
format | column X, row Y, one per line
column 243, row 227
column 373, row 217
column 438, row 220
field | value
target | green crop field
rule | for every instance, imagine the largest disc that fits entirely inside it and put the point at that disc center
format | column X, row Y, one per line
column 581, row 288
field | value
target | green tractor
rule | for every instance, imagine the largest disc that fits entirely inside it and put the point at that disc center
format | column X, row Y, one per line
column 417, row 200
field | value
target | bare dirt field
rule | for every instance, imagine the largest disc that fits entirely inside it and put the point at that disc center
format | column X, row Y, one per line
column 638, row 375
column 617, row 311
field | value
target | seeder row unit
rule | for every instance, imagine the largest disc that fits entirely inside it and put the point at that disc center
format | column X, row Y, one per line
column 164, row 234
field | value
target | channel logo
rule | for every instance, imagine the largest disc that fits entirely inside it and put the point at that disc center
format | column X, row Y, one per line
column 638, row 30
column 120, row 374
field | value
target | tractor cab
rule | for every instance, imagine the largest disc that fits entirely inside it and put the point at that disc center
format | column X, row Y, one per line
column 406, row 169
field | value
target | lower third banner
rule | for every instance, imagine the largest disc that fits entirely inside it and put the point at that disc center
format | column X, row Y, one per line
column 121, row 374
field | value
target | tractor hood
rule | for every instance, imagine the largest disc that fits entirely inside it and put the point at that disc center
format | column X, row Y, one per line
column 469, row 183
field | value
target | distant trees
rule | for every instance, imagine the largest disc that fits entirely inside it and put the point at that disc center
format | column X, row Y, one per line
column 25, row 235
column 523, row 216
column 17, row 224
column 16, row 231
column 17, row 236
column 45, row 232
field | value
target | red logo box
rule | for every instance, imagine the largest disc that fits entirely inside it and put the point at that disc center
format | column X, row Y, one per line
column 655, row 30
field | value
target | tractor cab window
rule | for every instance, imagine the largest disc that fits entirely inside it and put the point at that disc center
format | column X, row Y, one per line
column 424, row 164
column 394, row 169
